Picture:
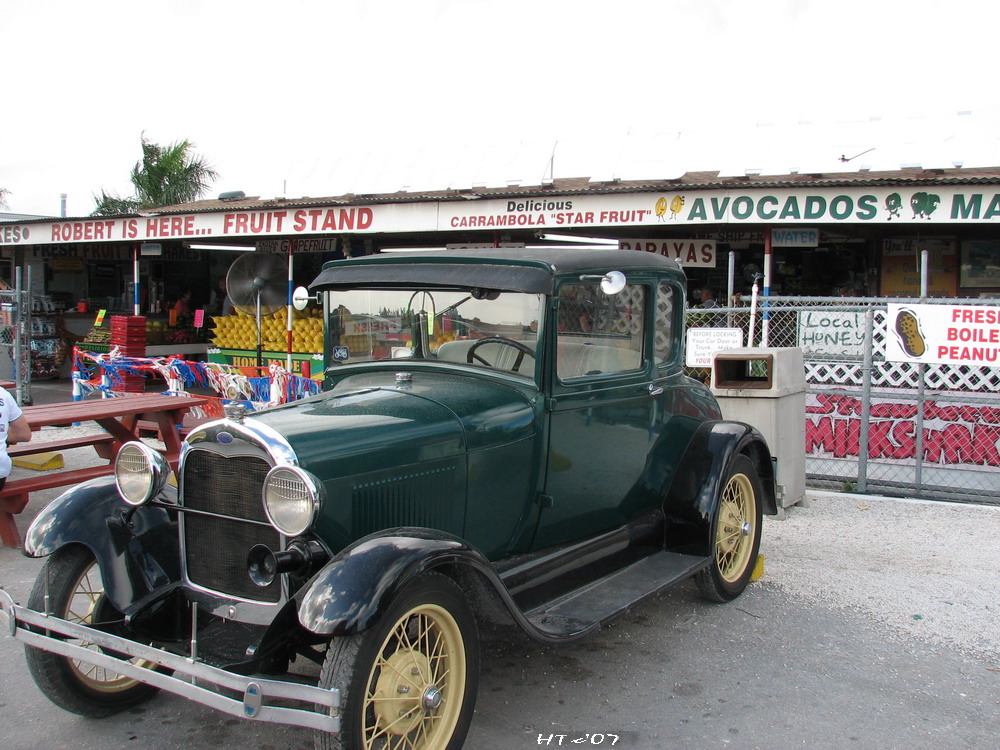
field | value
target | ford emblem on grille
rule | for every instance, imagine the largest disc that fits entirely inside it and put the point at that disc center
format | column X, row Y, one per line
column 224, row 437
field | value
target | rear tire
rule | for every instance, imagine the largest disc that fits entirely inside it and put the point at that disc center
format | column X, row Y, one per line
column 76, row 594
column 409, row 682
column 736, row 530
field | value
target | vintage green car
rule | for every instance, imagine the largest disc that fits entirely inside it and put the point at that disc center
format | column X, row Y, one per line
column 503, row 436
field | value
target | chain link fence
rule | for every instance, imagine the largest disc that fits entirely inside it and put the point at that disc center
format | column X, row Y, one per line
column 874, row 425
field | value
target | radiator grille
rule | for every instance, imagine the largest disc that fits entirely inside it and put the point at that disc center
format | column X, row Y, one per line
column 217, row 548
column 227, row 486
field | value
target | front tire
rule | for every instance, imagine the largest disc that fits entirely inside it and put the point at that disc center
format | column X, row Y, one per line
column 736, row 530
column 76, row 594
column 409, row 682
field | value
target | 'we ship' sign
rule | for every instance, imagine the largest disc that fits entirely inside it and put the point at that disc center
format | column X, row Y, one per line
column 943, row 334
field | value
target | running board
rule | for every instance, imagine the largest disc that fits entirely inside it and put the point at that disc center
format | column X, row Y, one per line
column 586, row 608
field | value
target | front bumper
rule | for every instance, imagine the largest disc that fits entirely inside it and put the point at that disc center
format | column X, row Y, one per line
column 304, row 705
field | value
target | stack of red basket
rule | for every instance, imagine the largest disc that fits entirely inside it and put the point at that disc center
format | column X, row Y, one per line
column 128, row 333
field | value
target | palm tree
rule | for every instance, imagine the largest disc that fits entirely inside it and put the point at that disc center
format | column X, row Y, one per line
column 3, row 197
column 165, row 176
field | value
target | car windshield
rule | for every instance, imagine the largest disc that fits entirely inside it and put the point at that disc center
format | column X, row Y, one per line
column 480, row 327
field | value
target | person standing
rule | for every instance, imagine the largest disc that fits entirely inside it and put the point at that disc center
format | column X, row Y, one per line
column 225, row 304
column 14, row 428
column 708, row 302
column 183, row 304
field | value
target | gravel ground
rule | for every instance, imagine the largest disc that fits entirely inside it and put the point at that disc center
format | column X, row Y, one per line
column 925, row 569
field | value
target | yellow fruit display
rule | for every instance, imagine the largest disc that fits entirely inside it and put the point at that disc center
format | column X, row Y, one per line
column 240, row 332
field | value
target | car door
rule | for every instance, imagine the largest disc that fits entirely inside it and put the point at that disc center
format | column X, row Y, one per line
column 602, row 412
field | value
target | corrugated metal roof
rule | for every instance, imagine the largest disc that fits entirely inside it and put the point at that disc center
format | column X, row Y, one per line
column 583, row 185
column 703, row 180
column 23, row 217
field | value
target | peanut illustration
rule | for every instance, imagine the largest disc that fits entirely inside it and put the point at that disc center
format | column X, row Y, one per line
column 908, row 330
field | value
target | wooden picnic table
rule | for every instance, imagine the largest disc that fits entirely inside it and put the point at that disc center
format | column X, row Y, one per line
column 119, row 418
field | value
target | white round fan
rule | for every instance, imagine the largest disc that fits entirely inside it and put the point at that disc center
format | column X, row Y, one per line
column 257, row 284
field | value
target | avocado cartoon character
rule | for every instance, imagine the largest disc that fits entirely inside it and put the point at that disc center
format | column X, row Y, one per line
column 661, row 208
column 893, row 204
column 923, row 204
column 676, row 205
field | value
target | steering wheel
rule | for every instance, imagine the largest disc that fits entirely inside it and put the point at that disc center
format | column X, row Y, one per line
column 521, row 348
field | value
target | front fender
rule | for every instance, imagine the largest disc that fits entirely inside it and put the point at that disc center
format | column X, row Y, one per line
column 691, row 500
column 353, row 589
column 137, row 553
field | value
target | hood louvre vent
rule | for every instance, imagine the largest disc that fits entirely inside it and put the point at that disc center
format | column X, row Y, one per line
column 428, row 498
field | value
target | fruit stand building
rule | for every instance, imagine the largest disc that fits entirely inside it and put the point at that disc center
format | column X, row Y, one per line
column 846, row 234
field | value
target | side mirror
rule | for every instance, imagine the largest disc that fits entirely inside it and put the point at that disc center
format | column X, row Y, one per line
column 613, row 282
column 301, row 298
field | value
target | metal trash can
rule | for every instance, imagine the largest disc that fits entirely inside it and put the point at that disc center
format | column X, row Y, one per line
column 766, row 387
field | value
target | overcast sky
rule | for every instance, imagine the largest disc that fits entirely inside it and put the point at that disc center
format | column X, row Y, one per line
column 320, row 98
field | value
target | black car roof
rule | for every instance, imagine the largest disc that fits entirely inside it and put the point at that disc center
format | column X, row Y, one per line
column 529, row 270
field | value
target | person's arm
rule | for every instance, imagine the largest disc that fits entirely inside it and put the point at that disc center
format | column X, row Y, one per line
column 18, row 431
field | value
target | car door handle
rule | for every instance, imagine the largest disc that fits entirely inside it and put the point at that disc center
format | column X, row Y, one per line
column 655, row 390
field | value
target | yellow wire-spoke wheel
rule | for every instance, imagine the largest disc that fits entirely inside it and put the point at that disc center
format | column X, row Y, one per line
column 734, row 532
column 416, row 686
column 82, row 607
column 408, row 681
column 70, row 587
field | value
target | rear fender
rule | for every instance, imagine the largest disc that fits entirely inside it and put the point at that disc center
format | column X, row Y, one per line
column 138, row 552
column 354, row 588
column 690, row 502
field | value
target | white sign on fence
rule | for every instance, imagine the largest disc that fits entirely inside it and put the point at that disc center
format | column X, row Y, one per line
column 702, row 343
column 836, row 333
column 943, row 334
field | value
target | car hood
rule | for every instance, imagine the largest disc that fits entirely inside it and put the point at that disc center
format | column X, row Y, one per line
column 371, row 421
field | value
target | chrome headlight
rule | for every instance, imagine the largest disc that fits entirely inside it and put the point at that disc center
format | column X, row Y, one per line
column 292, row 498
column 140, row 473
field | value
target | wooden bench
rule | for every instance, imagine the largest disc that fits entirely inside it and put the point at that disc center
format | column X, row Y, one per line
column 118, row 417
column 103, row 444
column 14, row 500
